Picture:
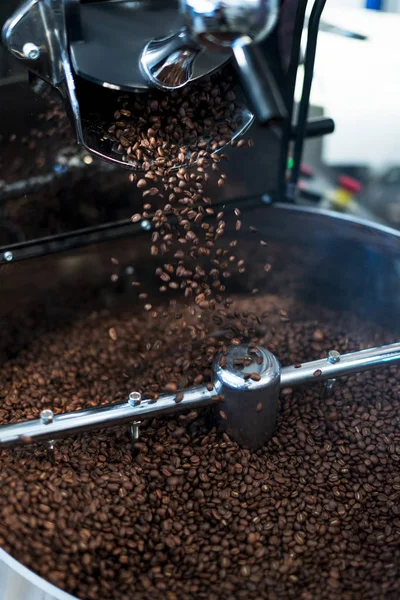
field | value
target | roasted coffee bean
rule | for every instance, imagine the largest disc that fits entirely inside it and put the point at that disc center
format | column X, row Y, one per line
column 186, row 495
column 179, row 397
column 255, row 376
column 185, row 512
column 112, row 332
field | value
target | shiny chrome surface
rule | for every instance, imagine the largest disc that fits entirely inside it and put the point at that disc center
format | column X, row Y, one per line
column 258, row 81
column 169, row 62
column 19, row 583
column 108, row 415
column 41, row 24
column 28, row 26
column 250, row 407
column 221, row 21
column 239, row 25
column 348, row 364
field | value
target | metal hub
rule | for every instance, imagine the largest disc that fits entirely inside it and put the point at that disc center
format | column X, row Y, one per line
column 249, row 380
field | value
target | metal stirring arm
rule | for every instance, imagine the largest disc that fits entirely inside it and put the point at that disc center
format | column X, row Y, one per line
column 246, row 397
column 50, row 427
column 338, row 366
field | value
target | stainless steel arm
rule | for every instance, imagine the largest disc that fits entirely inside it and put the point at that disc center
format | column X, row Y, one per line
column 250, row 403
column 108, row 415
column 337, row 366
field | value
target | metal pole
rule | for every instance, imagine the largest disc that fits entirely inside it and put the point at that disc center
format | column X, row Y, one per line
column 336, row 366
column 119, row 413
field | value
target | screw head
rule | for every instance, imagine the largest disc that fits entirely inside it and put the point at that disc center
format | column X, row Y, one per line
column 333, row 357
column 47, row 416
column 134, row 398
column 8, row 256
column 145, row 224
column 266, row 198
column 31, row 51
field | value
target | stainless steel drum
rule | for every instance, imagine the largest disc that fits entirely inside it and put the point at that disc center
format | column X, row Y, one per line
column 319, row 260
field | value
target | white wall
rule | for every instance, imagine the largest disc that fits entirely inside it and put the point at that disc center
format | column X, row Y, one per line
column 346, row 3
column 392, row 5
column 388, row 5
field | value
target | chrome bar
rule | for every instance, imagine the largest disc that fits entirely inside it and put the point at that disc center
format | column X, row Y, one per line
column 99, row 417
column 82, row 421
column 336, row 366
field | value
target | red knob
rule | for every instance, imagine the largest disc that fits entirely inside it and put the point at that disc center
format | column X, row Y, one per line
column 351, row 185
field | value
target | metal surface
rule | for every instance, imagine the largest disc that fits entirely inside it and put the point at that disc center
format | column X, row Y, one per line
column 250, row 407
column 42, row 25
column 258, row 82
column 44, row 37
column 240, row 24
column 250, row 397
column 97, row 56
column 220, row 22
column 19, row 107
column 30, row 24
column 169, row 62
column 346, row 265
column 108, row 415
column 309, row 60
column 19, row 583
column 112, row 36
column 348, row 364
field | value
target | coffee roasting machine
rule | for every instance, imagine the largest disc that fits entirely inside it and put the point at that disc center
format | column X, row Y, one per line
column 66, row 199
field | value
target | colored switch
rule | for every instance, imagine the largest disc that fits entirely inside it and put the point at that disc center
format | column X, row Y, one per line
column 345, row 192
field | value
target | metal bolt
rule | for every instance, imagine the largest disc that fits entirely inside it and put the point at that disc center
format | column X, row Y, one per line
column 31, row 51
column 333, row 357
column 46, row 417
column 145, row 224
column 134, row 430
column 59, row 168
column 135, row 398
column 8, row 256
column 329, row 385
column 51, row 451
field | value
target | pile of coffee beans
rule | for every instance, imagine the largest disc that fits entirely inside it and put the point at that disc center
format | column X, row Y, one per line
column 185, row 512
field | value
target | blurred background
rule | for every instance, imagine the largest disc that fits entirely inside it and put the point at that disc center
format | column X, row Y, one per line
column 357, row 83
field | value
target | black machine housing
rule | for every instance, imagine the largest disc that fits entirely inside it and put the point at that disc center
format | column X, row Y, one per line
column 54, row 195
